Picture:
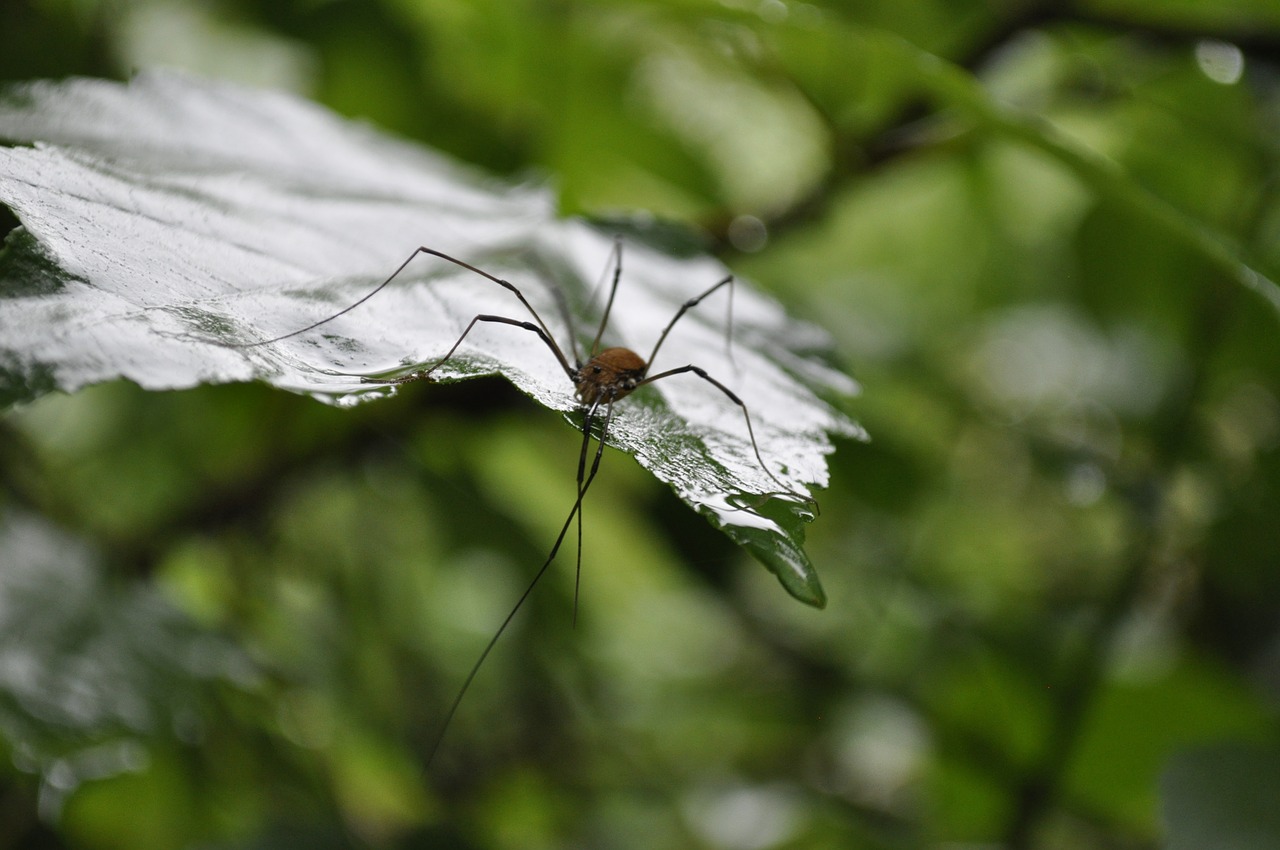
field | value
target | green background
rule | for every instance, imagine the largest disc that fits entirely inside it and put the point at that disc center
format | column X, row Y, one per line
column 1054, row 594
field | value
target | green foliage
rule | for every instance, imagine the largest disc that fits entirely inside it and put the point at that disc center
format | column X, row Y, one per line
column 1224, row 796
column 1043, row 240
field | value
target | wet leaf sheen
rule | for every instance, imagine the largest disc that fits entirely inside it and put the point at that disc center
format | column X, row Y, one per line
column 167, row 221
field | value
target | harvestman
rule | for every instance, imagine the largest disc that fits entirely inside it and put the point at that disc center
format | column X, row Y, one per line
column 606, row 376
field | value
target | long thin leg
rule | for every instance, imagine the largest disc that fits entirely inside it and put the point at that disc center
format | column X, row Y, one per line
column 566, row 315
column 475, row 668
column 746, row 415
column 689, row 305
column 545, row 331
column 608, row 305
column 528, row 326
column 588, row 417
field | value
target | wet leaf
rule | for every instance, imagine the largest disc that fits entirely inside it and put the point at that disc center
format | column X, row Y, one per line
column 170, row 224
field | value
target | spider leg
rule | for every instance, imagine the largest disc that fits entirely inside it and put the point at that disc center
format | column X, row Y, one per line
column 528, row 326
column 613, row 290
column 746, row 415
column 543, row 330
column 551, row 556
column 587, row 418
column 582, row 488
column 346, row 309
column 689, row 305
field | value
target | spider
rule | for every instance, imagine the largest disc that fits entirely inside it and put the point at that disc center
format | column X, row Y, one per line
column 603, row 377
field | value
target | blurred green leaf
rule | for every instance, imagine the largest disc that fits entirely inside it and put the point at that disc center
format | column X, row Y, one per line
column 89, row 672
column 1222, row 796
column 1193, row 702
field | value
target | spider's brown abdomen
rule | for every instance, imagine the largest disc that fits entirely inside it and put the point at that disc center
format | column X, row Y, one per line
column 610, row 375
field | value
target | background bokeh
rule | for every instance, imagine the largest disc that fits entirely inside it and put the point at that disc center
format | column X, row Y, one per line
column 1039, row 234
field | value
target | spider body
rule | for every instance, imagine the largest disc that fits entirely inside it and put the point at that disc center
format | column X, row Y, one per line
column 611, row 375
